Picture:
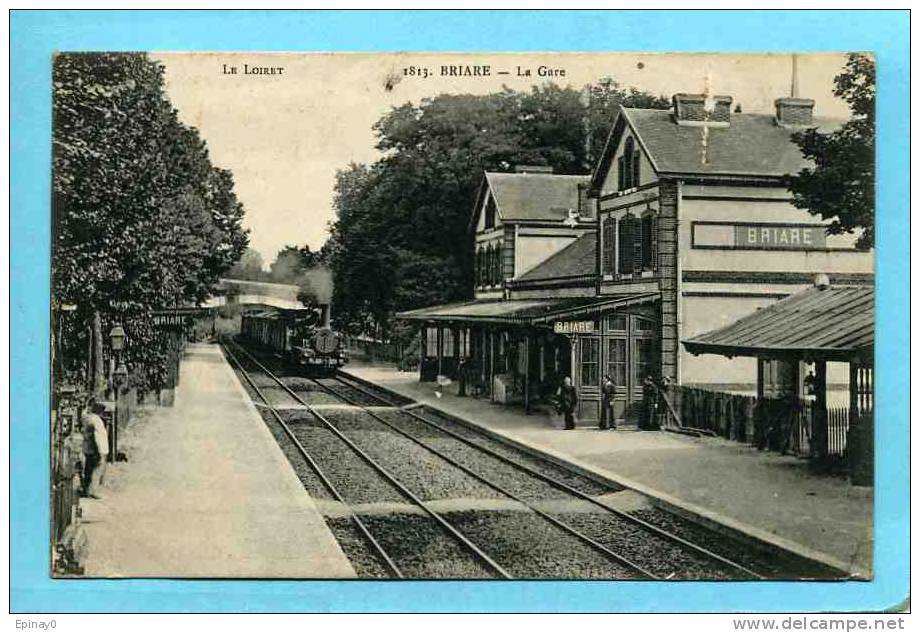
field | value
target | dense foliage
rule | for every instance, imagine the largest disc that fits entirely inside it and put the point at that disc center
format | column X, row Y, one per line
column 400, row 239
column 141, row 218
column 841, row 186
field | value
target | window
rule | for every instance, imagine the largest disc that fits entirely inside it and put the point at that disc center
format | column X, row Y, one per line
column 490, row 270
column 431, row 346
column 645, row 360
column 621, row 174
column 447, row 343
column 497, row 265
column 589, row 353
column 490, row 213
column 609, row 238
column 616, row 360
column 628, row 168
column 636, row 160
column 644, row 325
column 617, row 322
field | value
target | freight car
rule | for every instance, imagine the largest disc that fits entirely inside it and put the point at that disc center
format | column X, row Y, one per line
column 302, row 337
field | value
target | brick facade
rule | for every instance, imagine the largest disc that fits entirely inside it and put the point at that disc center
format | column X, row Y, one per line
column 669, row 194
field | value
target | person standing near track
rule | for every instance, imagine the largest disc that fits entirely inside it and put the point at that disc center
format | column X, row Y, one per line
column 568, row 400
column 608, row 392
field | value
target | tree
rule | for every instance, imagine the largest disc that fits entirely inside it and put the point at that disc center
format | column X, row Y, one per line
column 400, row 237
column 249, row 267
column 841, row 185
column 141, row 218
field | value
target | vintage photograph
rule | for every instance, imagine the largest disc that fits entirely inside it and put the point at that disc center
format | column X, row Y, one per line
column 462, row 316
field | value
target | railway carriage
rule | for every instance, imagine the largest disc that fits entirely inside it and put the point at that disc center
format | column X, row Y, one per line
column 302, row 337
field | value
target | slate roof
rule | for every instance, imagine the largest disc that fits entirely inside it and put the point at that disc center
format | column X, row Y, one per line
column 546, row 197
column 576, row 259
column 833, row 323
column 752, row 145
column 524, row 311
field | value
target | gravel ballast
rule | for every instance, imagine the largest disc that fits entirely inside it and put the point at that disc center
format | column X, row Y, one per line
column 528, row 546
column 656, row 555
column 776, row 565
column 422, row 549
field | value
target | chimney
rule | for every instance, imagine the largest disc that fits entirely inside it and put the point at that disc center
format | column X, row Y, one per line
column 533, row 169
column 794, row 111
column 326, row 315
column 690, row 109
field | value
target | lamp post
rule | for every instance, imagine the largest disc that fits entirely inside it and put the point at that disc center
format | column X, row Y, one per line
column 119, row 378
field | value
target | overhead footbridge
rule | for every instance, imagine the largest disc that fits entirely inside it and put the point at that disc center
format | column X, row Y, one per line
column 245, row 292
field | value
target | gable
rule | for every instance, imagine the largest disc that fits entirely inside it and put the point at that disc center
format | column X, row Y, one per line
column 607, row 174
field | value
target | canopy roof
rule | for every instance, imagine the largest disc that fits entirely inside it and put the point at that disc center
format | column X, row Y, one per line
column 829, row 323
column 524, row 311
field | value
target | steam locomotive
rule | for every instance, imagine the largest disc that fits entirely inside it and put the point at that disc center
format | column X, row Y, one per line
column 302, row 337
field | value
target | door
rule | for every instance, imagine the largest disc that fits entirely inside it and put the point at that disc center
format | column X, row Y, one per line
column 589, row 378
column 630, row 355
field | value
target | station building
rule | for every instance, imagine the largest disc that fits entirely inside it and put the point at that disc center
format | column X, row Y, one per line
column 685, row 226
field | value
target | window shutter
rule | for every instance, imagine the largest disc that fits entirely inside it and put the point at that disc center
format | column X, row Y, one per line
column 606, row 235
column 476, row 269
column 621, row 175
column 624, row 245
column 637, row 243
column 653, row 243
column 635, row 168
column 497, row 265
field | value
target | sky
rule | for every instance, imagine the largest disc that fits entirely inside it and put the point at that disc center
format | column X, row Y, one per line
column 284, row 135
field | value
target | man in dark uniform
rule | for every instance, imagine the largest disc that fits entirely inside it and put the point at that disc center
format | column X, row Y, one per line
column 568, row 399
column 608, row 390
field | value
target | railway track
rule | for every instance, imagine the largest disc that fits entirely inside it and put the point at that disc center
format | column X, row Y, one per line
column 543, row 495
column 486, row 565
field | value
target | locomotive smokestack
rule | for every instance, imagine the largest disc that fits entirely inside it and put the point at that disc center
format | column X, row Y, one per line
column 326, row 312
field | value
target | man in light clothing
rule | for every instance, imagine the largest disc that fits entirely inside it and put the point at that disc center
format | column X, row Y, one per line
column 95, row 449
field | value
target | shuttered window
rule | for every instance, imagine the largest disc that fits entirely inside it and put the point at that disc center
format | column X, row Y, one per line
column 638, row 240
column 621, row 175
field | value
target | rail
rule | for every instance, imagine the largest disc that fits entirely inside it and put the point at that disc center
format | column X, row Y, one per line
column 648, row 527
column 466, row 542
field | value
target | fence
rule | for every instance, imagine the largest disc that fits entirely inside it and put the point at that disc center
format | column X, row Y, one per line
column 405, row 356
column 783, row 426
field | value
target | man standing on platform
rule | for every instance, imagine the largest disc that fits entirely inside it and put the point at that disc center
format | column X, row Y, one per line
column 568, row 399
column 95, row 449
column 608, row 390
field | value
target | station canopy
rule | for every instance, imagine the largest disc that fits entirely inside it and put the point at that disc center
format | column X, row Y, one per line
column 524, row 311
column 832, row 323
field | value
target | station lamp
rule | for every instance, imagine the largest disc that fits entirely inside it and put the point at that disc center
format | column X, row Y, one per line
column 117, row 338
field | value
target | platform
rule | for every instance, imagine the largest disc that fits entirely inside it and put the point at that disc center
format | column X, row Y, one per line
column 770, row 497
column 206, row 492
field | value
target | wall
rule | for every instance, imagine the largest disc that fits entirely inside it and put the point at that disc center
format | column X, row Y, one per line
column 646, row 171
column 768, row 205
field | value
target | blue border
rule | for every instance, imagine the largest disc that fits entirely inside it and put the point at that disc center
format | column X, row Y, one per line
column 35, row 35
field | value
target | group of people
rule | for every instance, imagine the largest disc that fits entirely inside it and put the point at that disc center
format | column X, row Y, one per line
column 567, row 401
